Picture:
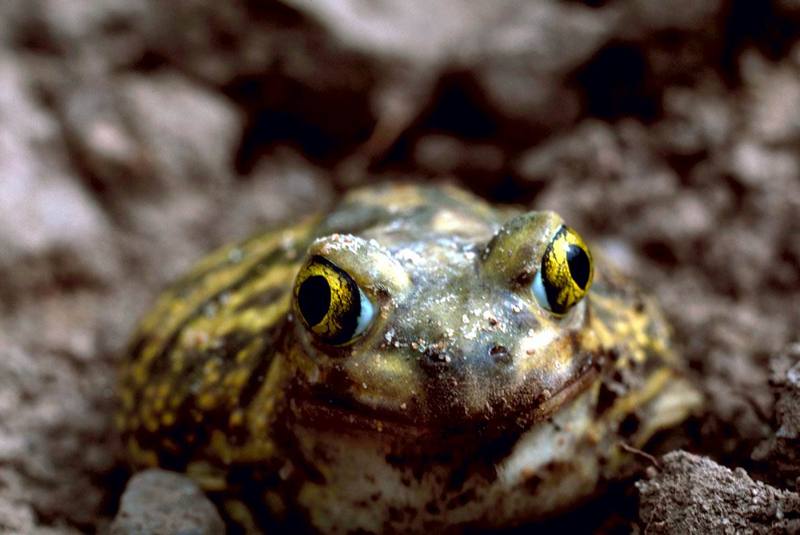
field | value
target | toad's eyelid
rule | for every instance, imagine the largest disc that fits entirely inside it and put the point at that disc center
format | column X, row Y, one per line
column 539, row 292
column 366, row 315
column 537, row 286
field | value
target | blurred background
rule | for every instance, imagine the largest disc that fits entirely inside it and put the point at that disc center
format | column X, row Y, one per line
column 135, row 135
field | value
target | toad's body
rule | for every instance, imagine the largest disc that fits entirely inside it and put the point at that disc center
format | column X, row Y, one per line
column 452, row 396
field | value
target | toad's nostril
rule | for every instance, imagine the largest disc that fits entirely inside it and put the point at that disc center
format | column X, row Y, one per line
column 501, row 354
column 436, row 356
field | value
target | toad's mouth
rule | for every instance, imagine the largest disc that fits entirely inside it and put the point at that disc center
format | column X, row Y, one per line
column 321, row 407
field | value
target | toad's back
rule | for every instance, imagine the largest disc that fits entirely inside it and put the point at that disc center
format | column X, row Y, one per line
column 416, row 359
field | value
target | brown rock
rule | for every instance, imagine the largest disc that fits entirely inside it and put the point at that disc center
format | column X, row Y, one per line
column 782, row 449
column 48, row 222
column 693, row 494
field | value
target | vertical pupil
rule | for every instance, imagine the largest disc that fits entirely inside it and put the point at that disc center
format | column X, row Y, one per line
column 578, row 263
column 314, row 299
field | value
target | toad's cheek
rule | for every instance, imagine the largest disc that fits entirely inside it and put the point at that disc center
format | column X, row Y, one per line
column 535, row 352
column 384, row 380
column 549, row 353
column 554, row 364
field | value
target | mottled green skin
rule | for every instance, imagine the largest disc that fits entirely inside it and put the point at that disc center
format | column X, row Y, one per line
column 460, row 394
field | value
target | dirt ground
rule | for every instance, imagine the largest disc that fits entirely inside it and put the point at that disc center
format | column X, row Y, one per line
column 136, row 135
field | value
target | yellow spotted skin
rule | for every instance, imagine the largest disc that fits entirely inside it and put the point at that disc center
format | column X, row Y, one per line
column 415, row 360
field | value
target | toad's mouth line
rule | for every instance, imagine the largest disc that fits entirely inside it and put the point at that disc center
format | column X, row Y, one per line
column 318, row 407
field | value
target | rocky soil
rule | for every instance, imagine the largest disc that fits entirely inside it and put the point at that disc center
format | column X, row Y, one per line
column 136, row 135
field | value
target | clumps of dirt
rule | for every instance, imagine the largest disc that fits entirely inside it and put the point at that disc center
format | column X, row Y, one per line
column 693, row 494
column 781, row 451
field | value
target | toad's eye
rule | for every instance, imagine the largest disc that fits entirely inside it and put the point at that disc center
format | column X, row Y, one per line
column 330, row 303
column 565, row 274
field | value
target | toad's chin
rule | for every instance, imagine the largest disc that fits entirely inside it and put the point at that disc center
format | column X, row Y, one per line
column 321, row 407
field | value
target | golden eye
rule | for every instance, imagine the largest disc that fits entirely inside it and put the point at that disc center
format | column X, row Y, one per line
column 565, row 274
column 330, row 303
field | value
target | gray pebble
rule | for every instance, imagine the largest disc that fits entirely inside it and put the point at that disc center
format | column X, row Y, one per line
column 161, row 502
